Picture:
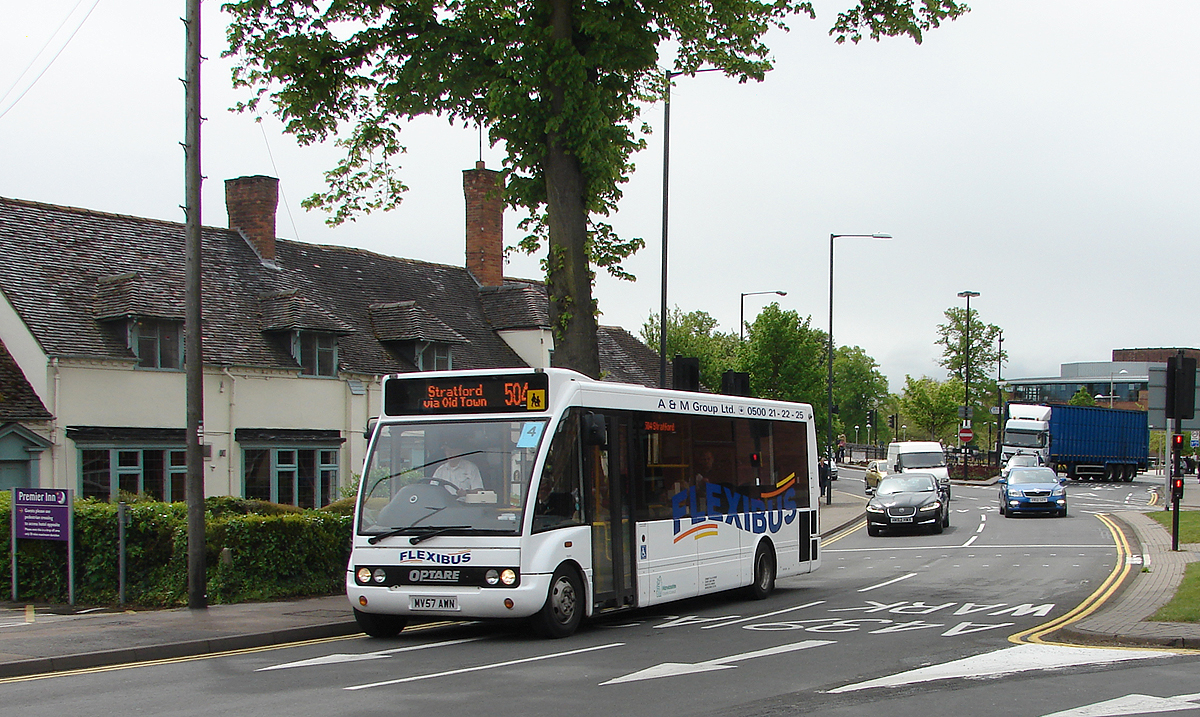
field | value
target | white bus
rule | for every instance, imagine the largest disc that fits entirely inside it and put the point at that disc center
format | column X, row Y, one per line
column 547, row 495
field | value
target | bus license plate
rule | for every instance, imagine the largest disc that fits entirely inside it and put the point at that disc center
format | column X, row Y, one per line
column 1039, row 500
column 902, row 520
column 432, row 602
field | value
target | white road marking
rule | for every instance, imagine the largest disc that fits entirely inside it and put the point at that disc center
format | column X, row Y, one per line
column 972, row 540
column 672, row 669
column 889, row 582
column 381, row 654
column 1008, row 661
column 1132, row 705
column 479, row 668
column 769, row 614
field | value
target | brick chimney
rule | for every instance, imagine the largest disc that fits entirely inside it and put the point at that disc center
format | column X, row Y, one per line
column 251, row 203
column 485, row 224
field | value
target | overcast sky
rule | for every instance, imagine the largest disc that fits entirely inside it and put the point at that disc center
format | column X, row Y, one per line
column 1043, row 154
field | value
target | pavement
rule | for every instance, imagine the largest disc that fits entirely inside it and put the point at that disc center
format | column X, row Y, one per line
column 42, row 639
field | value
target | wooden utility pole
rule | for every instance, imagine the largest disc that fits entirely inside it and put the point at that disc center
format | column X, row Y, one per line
column 193, row 352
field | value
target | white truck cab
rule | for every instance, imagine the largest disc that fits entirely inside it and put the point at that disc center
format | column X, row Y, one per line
column 1027, row 431
column 920, row 456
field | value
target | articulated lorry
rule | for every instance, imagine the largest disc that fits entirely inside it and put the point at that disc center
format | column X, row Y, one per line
column 1080, row 442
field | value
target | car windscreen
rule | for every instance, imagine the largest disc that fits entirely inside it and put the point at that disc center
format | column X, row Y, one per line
column 1023, row 439
column 934, row 459
column 900, row 484
column 1021, row 476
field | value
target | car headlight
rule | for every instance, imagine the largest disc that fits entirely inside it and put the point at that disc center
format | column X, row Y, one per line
column 931, row 506
column 1060, row 490
column 874, row 508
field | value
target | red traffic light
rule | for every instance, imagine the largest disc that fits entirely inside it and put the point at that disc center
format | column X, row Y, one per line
column 1177, row 439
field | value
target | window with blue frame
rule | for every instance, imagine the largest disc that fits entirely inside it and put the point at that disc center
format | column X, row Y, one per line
column 158, row 473
column 304, row 477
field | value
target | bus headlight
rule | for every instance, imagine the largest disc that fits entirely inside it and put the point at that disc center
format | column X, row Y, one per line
column 380, row 575
column 492, row 577
column 508, row 576
column 363, row 575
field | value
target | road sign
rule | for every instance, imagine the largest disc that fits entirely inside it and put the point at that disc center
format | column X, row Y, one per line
column 965, row 434
column 1195, row 439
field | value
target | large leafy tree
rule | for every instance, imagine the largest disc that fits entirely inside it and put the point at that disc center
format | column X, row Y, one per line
column 962, row 334
column 858, row 387
column 559, row 82
column 930, row 407
column 695, row 334
column 785, row 357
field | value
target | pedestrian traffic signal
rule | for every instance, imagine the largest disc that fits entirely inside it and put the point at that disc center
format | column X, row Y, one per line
column 1177, row 488
column 1177, row 454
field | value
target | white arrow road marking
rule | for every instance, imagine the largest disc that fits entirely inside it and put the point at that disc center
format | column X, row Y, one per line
column 1005, row 662
column 479, row 668
column 672, row 669
column 1133, row 705
column 343, row 657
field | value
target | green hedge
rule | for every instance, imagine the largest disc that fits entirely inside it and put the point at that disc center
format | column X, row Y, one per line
column 274, row 552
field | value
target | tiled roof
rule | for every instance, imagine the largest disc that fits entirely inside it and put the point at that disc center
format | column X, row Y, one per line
column 516, row 305
column 18, row 401
column 406, row 321
column 66, row 268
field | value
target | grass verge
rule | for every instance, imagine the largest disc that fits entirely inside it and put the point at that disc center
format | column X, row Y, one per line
column 1185, row 606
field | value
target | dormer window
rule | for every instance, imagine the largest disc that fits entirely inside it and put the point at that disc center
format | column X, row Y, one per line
column 430, row 356
column 157, row 343
column 316, row 352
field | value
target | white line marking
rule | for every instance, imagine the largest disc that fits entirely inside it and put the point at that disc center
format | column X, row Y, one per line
column 1005, row 662
column 478, row 668
column 337, row 658
column 889, row 582
column 1134, row 704
column 757, row 617
column 671, row 669
column 972, row 540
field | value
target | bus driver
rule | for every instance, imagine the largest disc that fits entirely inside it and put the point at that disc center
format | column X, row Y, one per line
column 459, row 472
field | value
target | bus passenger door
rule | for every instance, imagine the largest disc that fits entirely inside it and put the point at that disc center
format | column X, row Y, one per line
column 607, row 482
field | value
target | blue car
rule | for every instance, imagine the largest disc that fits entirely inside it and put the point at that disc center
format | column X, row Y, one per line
column 1033, row 490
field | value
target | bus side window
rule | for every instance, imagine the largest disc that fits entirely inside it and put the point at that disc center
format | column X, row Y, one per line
column 558, row 495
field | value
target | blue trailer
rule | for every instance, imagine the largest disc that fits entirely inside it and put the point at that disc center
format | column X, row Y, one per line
column 1081, row 442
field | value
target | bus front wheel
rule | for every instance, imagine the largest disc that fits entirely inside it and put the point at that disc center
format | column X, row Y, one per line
column 764, row 572
column 563, row 611
column 376, row 625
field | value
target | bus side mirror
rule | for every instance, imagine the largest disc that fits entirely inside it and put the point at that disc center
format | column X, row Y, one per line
column 595, row 430
column 371, row 423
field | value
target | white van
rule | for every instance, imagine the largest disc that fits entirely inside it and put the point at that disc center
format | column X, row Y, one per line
column 919, row 456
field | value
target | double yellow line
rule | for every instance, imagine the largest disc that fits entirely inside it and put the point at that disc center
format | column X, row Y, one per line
column 1094, row 601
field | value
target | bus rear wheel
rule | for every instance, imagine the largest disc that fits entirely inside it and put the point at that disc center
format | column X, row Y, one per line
column 764, row 572
column 563, row 611
column 376, row 625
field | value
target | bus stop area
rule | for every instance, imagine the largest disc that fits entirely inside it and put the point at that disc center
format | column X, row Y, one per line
column 44, row 638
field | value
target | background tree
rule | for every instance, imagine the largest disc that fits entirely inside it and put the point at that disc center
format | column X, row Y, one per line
column 1082, row 397
column 559, row 82
column 930, row 407
column 858, row 387
column 984, row 349
column 695, row 334
column 785, row 357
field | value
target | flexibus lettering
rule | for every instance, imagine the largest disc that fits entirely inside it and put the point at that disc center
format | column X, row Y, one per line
column 428, row 556
column 768, row 513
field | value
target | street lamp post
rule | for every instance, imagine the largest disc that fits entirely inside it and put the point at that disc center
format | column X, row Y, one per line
column 967, row 370
column 662, row 323
column 999, row 396
column 856, row 434
column 742, row 314
column 829, row 357
column 1111, row 387
column 905, row 427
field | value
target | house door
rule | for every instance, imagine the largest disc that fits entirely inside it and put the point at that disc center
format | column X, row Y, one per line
column 14, row 474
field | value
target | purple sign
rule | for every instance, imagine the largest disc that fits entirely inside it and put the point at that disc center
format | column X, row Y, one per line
column 42, row 513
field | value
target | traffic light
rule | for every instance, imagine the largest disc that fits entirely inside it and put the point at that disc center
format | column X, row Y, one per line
column 1177, row 488
column 1177, row 454
column 892, row 421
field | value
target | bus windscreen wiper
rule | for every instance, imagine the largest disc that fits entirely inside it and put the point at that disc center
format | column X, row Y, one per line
column 419, row 533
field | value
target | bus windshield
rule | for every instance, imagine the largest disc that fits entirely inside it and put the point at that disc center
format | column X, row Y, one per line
column 448, row 477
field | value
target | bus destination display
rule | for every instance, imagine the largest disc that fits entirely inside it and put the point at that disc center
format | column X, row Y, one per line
column 483, row 394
